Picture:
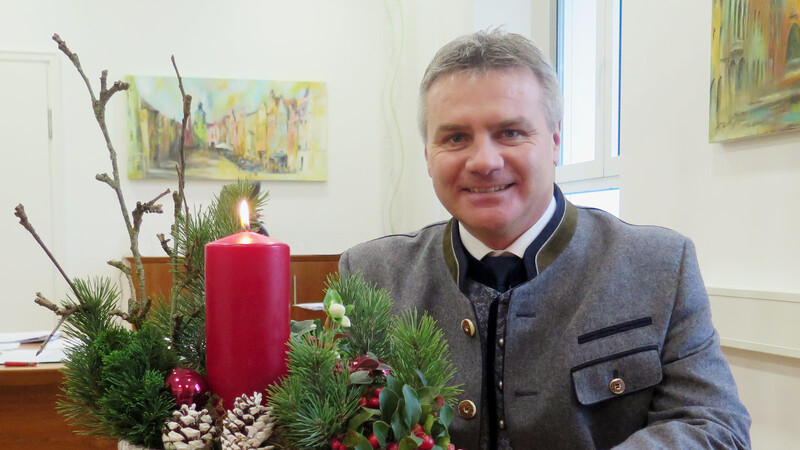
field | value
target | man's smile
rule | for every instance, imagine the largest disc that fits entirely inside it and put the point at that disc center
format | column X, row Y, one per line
column 490, row 189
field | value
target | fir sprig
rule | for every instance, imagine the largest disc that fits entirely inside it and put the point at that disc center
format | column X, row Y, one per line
column 420, row 354
column 315, row 400
column 370, row 315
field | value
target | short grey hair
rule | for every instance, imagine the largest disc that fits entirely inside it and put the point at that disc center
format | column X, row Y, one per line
column 483, row 51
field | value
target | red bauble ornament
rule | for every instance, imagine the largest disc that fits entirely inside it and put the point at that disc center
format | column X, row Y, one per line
column 187, row 387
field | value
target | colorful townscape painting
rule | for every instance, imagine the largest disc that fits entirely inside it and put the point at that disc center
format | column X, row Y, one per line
column 755, row 68
column 259, row 130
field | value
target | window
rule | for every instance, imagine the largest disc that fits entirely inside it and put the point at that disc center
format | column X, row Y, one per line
column 588, row 57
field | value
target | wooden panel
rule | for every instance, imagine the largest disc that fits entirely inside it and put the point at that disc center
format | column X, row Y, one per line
column 28, row 416
column 309, row 274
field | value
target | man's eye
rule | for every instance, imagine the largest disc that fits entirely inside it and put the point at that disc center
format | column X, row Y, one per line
column 457, row 138
column 509, row 133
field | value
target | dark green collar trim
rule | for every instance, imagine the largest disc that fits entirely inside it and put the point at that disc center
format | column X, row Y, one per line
column 560, row 238
column 449, row 251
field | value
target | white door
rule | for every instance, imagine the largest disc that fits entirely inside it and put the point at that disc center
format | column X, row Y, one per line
column 28, row 174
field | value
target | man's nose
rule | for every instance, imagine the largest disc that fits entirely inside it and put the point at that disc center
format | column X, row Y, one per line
column 485, row 156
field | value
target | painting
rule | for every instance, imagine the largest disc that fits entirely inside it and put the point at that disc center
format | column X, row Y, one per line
column 238, row 129
column 755, row 68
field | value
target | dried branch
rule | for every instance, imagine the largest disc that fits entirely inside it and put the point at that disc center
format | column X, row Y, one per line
column 63, row 311
column 149, row 207
column 19, row 211
column 137, row 309
column 179, row 198
column 164, row 244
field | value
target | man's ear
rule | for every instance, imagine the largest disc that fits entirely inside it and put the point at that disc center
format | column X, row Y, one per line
column 557, row 144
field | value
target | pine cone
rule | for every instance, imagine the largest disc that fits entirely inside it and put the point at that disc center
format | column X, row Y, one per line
column 248, row 425
column 189, row 429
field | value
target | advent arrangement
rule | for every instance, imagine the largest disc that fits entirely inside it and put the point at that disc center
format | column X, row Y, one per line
column 218, row 363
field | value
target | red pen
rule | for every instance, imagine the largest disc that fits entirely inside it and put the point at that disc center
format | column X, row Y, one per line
column 18, row 364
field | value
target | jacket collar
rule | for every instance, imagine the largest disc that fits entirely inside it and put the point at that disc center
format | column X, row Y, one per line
column 550, row 243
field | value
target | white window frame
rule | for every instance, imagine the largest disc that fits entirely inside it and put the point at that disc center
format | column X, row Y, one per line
column 603, row 171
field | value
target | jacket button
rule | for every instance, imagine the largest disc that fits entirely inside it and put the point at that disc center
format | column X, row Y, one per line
column 468, row 327
column 501, row 424
column 500, row 385
column 617, row 386
column 466, row 409
column 501, row 342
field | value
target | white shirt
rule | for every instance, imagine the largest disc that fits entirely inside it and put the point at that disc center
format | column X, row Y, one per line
column 478, row 249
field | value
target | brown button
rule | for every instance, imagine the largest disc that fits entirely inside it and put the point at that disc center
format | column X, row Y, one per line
column 617, row 386
column 468, row 327
column 501, row 424
column 501, row 342
column 466, row 409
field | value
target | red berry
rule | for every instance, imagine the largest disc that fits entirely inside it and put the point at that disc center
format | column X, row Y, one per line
column 373, row 403
column 451, row 447
column 377, row 392
column 362, row 401
column 373, row 440
column 336, row 445
column 427, row 442
column 418, row 431
column 392, row 446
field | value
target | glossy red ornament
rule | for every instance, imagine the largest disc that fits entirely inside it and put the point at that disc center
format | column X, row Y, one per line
column 187, row 387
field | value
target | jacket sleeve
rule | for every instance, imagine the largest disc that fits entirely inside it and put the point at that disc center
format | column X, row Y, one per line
column 697, row 404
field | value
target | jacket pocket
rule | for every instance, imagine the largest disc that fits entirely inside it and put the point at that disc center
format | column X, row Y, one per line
column 616, row 375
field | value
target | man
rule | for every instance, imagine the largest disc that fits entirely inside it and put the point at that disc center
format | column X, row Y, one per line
column 569, row 328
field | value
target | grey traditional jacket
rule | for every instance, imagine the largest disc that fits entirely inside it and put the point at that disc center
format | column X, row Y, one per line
column 610, row 345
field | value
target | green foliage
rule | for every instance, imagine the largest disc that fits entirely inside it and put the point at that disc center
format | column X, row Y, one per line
column 420, row 354
column 135, row 403
column 315, row 400
column 187, row 333
column 370, row 315
column 93, row 334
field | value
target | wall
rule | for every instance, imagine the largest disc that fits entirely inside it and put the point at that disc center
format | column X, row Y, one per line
column 348, row 44
column 737, row 201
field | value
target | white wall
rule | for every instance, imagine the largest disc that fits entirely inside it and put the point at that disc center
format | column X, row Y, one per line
column 737, row 201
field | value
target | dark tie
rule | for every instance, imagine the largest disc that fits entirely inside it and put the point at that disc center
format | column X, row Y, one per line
column 507, row 271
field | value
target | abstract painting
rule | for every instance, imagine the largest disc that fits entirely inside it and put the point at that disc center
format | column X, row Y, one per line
column 755, row 68
column 238, row 129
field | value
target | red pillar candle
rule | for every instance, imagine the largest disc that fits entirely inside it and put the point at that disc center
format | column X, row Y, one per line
column 247, row 313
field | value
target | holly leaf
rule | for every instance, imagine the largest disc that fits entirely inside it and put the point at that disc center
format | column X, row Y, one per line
column 360, row 377
column 446, row 415
column 388, row 401
column 356, row 440
column 398, row 427
column 358, row 420
column 421, row 377
column 302, row 327
column 412, row 410
column 410, row 443
column 381, row 430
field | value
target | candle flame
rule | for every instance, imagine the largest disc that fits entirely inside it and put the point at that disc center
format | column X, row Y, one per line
column 244, row 214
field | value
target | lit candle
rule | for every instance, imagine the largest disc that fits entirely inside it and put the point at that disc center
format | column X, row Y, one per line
column 247, row 312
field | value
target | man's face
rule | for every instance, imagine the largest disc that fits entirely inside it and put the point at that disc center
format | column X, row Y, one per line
column 490, row 153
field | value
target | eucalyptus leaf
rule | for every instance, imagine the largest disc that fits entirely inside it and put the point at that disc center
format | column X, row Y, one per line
column 388, row 401
column 398, row 427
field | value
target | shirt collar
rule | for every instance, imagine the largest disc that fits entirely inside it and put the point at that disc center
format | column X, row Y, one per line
column 478, row 249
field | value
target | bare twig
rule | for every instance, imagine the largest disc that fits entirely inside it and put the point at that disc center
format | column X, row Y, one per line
column 63, row 311
column 149, row 207
column 19, row 211
column 164, row 244
column 138, row 309
column 179, row 198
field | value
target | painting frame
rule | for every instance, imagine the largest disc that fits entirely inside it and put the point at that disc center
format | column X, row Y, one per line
column 238, row 129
